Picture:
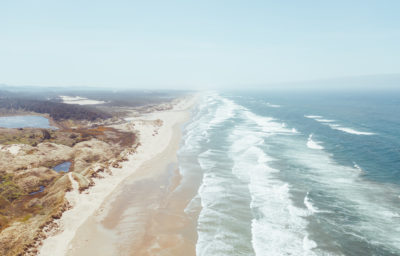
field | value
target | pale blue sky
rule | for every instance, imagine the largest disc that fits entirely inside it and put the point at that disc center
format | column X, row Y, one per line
column 195, row 44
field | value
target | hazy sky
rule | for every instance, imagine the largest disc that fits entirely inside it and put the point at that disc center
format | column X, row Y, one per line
column 178, row 44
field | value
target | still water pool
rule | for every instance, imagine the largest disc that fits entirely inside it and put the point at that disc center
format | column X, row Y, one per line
column 25, row 121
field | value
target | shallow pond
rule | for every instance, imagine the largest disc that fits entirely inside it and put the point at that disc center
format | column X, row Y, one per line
column 64, row 167
column 25, row 121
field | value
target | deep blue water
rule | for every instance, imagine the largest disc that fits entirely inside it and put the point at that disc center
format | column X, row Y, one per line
column 25, row 121
column 378, row 113
column 295, row 174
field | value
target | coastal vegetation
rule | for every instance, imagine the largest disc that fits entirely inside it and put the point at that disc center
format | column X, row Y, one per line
column 32, row 193
column 57, row 111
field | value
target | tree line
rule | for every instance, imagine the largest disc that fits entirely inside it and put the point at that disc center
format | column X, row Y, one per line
column 58, row 111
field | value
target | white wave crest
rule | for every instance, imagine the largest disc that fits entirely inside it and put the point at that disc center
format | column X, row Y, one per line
column 308, row 244
column 321, row 120
column 349, row 130
column 312, row 116
column 272, row 105
column 312, row 144
column 358, row 168
column 334, row 126
column 266, row 124
column 307, row 202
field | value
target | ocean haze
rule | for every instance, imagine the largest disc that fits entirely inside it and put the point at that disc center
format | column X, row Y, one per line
column 356, row 83
column 385, row 82
column 197, row 45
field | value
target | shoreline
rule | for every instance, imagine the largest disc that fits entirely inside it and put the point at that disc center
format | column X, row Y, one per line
column 157, row 131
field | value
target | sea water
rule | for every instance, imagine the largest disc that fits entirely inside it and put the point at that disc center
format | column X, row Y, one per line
column 311, row 174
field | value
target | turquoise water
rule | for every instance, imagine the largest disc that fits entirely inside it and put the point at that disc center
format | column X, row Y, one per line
column 24, row 122
column 311, row 174
column 63, row 167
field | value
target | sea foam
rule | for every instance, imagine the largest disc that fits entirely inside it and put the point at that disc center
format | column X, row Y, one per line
column 312, row 144
column 309, row 204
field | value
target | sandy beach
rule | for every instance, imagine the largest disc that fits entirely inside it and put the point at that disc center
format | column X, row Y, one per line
column 120, row 215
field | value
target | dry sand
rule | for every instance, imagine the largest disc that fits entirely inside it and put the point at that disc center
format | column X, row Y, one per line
column 95, row 225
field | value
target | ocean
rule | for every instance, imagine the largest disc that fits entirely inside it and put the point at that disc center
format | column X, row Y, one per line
column 278, row 173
